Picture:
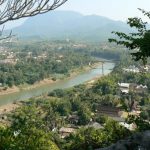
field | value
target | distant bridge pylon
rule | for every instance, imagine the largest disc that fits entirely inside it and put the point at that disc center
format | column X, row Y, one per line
column 106, row 61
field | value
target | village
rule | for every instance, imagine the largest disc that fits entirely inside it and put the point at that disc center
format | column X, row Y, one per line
column 128, row 94
column 124, row 92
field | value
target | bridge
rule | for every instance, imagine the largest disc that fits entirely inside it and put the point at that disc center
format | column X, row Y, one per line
column 103, row 62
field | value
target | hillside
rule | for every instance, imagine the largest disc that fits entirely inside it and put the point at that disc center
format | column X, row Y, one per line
column 68, row 24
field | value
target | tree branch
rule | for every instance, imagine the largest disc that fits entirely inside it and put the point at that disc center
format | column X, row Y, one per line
column 16, row 9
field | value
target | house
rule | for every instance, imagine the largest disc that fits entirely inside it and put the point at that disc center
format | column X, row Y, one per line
column 108, row 110
column 141, row 88
column 145, row 68
column 9, row 61
column 124, row 87
column 64, row 132
column 130, row 127
column 79, row 46
column 131, row 69
column 73, row 119
column 94, row 125
column 59, row 61
column 43, row 56
column 61, row 56
column 135, row 113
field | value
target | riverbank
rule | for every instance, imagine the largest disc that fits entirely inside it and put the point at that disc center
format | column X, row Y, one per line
column 4, row 109
column 49, row 81
column 77, row 77
column 13, row 89
column 8, row 108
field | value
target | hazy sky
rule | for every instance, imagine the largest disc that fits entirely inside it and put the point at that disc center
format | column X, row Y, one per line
column 114, row 9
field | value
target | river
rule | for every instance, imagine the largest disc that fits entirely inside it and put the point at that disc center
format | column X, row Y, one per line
column 66, row 83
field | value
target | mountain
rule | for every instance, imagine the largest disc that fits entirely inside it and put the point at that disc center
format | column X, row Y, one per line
column 68, row 24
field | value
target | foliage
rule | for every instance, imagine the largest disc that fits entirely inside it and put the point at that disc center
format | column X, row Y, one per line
column 26, row 117
column 115, row 131
column 140, row 122
column 57, row 93
column 138, row 41
column 105, row 86
column 90, row 138
column 35, row 63
column 43, row 116
column 31, row 138
column 84, row 114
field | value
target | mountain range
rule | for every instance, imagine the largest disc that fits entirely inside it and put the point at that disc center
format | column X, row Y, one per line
column 69, row 25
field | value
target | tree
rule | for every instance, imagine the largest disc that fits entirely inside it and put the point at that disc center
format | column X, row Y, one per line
column 91, row 138
column 26, row 117
column 16, row 9
column 140, row 122
column 138, row 42
column 84, row 114
column 115, row 131
column 30, row 138
column 86, row 139
column 105, row 86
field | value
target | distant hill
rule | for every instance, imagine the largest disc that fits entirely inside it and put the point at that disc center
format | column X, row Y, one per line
column 68, row 24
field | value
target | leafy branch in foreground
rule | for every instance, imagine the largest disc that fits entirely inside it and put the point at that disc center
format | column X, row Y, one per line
column 139, row 41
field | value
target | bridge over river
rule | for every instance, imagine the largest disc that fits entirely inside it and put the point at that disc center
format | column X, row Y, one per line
column 66, row 83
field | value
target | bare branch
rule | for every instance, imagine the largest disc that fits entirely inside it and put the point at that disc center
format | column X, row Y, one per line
column 16, row 9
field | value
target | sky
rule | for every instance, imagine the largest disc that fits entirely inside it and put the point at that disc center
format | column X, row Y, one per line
column 113, row 9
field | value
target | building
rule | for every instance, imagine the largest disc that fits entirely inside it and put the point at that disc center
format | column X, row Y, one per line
column 59, row 61
column 9, row 61
column 131, row 69
column 73, row 119
column 79, row 46
column 145, row 68
column 124, row 87
column 61, row 56
column 108, row 110
column 64, row 132
column 130, row 127
column 141, row 88
column 94, row 125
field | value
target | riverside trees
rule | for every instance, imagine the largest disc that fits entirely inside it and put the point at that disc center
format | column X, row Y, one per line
column 43, row 63
column 45, row 115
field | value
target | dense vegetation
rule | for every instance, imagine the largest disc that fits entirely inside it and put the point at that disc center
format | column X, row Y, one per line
column 34, row 70
column 34, row 65
column 29, row 63
column 40, row 119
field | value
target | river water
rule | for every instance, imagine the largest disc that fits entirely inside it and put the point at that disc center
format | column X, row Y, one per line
column 67, row 83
